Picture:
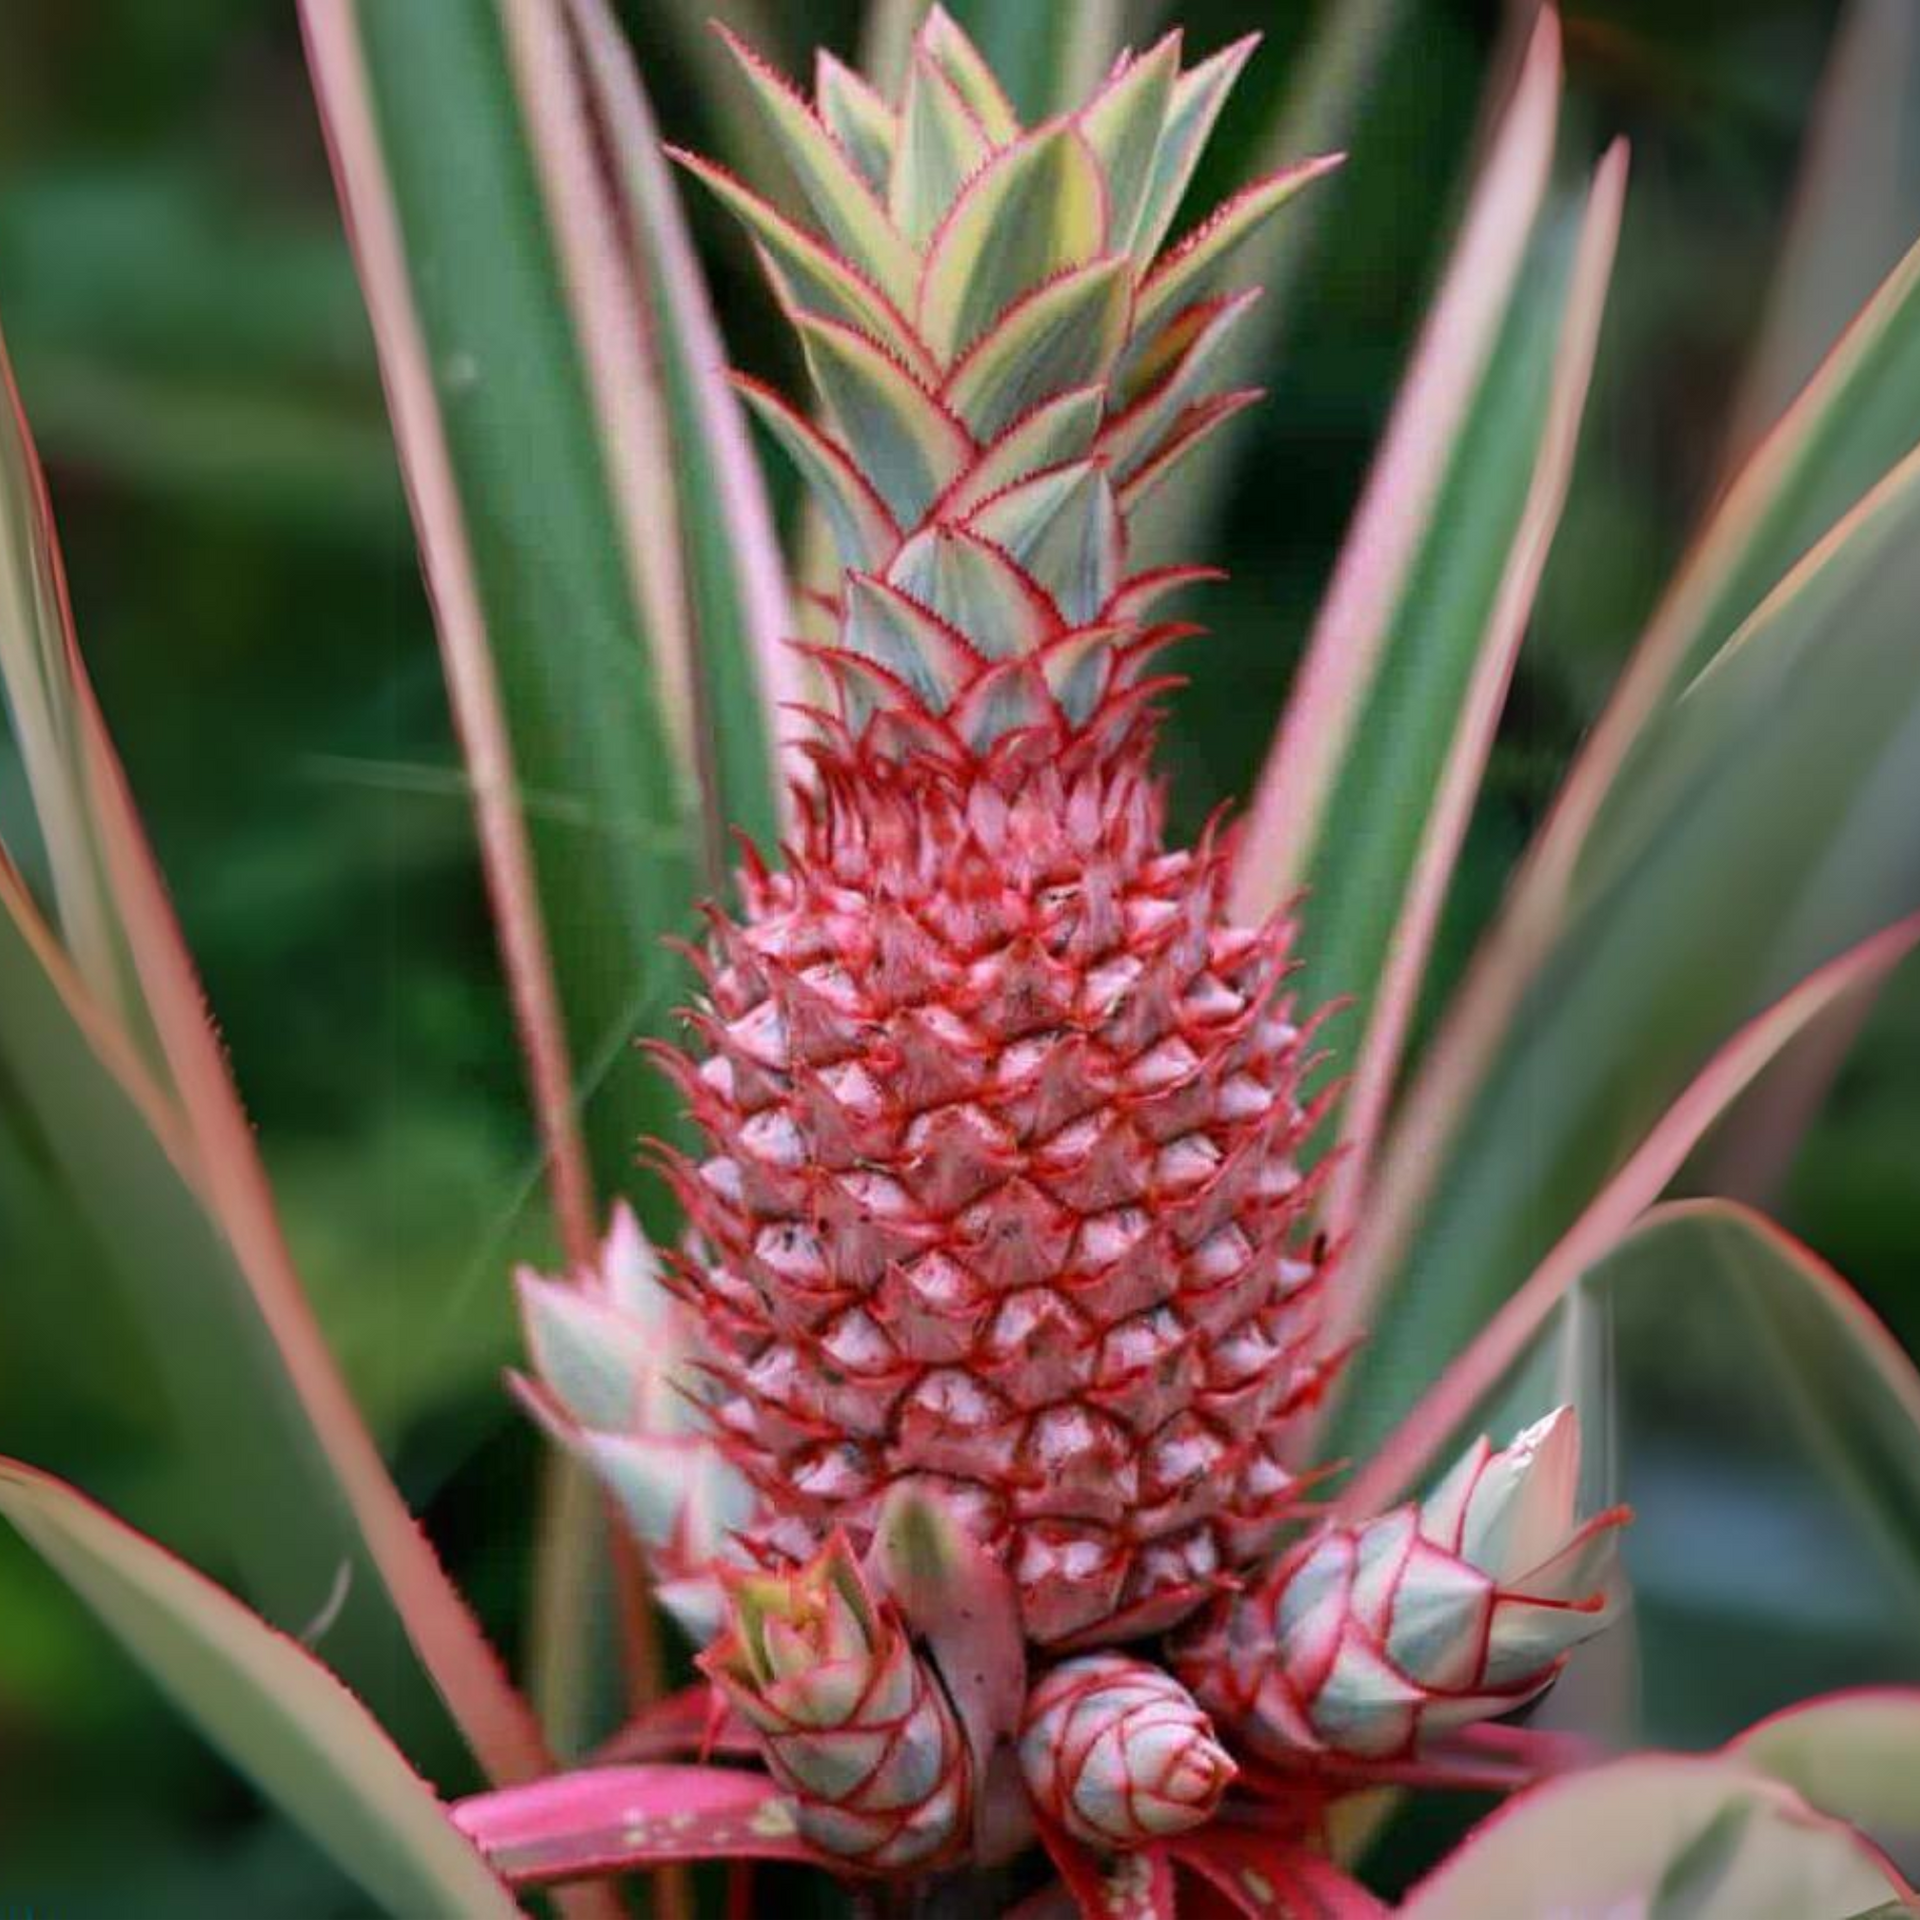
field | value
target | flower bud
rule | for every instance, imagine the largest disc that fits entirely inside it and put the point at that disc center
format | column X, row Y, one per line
column 850, row 1721
column 1119, row 1754
column 1368, row 1638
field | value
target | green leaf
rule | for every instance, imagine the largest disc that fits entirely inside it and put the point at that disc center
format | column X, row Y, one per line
column 1832, row 444
column 1768, row 827
column 1670, row 1838
column 1193, row 349
column 1855, row 1756
column 808, row 276
column 1395, row 516
column 1193, row 110
column 1324, row 107
column 273, row 1709
column 1036, row 209
column 1405, row 788
column 851, row 213
column 1047, row 58
column 1193, row 266
column 251, row 1447
column 524, row 526
column 1765, row 1429
column 1050, row 436
column 905, row 442
column 941, row 145
column 1064, row 529
column 1124, row 124
column 1656, row 1156
column 1064, row 336
column 36, row 688
column 126, row 1080
column 857, row 117
column 863, row 531
column 730, row 553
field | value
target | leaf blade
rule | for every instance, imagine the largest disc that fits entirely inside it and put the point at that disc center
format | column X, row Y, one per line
column 277, row 1713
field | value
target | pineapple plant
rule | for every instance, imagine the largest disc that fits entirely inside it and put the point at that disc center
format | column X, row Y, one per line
column 1007, row 1410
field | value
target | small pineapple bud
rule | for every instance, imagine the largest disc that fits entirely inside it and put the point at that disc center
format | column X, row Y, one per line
column 617, row 1384
column 1119, row 1754
column 850, row 1720
column 1367, row 1639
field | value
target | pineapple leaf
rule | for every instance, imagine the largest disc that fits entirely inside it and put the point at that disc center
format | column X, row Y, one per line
column 601, row 1820
column 1066, row 334
column 1396, row 514
column 1662, row 1833
column 273, row 1709
column 863, row 531
column 1188, row 271
column 1064, row 529
column 808, row 276
column 1852, row 1755
column 909, row 641
column 847, row 207
column 865, row 126
column 1124, row 124
column 125, row 1079
column 910, row 446
column 1762, row 845
column 734, row 578
column 1192, row 111
column 1034, row 210
column 942, row 42
column 1057, row 431
column 977, row 589
column 1398, row 1460
column 1192, row 346
column 941, row 145
column 1192, row 428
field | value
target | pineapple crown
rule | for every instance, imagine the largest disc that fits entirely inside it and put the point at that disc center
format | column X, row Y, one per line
column 1008, row 366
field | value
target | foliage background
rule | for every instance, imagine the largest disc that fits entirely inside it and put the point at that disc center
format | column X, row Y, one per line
column 190, row 343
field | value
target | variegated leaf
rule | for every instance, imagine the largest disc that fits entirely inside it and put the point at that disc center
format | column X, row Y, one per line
column 1061, row 430
column 1064, row 529
column 941, row 146
column 847, row 206
column 1187, row 354
column 865, row 126
column 1197, row 99
column 808, row 276
column 1124, row 124
column 1189, row 270
column 912, row 447
column 959, row 59
column 977, row 588
column 863, row 531
column 1065, row 334
column 1035, row 209
column 933, row 658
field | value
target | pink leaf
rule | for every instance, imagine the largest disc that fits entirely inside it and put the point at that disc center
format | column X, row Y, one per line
column 613, row 1819
column 693, row 1720
column 1130, row 1886
column 960, row 1599
column 1272, row 1878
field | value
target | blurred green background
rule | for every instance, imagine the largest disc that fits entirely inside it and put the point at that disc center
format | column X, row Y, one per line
column 183, row 315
